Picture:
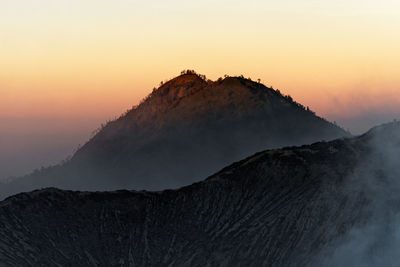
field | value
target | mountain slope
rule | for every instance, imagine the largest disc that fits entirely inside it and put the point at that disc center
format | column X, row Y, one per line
column 282, row 207
column 185, row 130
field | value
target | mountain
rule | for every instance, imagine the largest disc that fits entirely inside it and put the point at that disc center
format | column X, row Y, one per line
column 283, row 207
column 186, row 129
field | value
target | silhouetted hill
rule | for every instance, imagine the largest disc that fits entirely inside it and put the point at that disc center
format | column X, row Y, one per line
column 186, row 129
column 284, row 207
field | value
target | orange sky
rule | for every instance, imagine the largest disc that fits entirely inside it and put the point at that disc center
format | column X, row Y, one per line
column 82, row 62
column 67, row 58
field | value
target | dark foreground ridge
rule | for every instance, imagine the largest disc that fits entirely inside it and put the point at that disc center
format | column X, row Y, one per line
column 277, row 208
column 183, row 131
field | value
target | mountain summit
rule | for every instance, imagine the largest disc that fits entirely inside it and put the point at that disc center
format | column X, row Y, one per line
column 186, row 129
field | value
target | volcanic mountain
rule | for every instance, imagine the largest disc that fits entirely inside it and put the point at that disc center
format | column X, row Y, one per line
column 283, row 207
column 186, row 129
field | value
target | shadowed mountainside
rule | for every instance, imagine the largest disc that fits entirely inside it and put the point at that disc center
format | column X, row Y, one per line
column 186, row 129
column 277, row 208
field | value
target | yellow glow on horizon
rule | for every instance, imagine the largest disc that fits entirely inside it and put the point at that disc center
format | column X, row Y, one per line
column 68, row 58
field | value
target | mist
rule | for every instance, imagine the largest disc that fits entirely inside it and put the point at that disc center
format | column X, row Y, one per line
column 27, row 144
column 361, row 123
column 375, row 241
column 22, row 153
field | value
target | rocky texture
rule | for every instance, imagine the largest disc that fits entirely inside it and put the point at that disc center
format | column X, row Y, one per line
column 185, row 130
column 277, row 208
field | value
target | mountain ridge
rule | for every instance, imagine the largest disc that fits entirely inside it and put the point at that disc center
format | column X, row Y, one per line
column 280, row 207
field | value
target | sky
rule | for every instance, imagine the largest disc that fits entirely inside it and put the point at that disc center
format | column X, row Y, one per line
column 66, row 66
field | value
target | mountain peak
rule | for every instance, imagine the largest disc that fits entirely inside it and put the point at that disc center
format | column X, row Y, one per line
column 185, row 78
column 185, row 84
column 190, row 82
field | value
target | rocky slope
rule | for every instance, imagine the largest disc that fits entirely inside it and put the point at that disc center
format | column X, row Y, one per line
column 276, row 208
column 185, row 130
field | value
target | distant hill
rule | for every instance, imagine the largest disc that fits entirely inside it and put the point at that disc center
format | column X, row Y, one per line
column 284, row 207
column 186, row 129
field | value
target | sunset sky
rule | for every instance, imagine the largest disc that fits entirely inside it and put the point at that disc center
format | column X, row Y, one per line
column 68, row 65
